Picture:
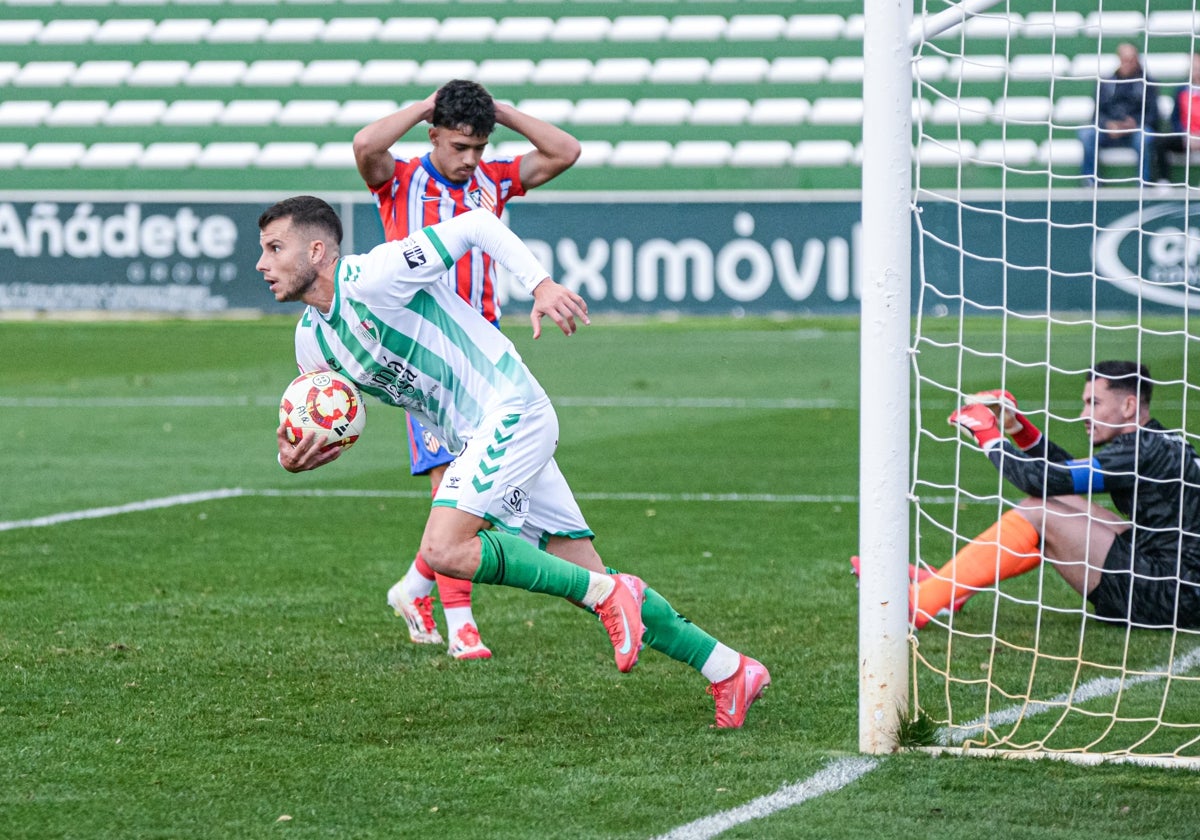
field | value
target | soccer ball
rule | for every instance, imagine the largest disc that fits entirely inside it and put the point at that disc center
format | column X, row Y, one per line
column 323, row 403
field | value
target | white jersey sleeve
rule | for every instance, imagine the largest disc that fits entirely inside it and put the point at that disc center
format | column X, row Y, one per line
column 480, row 229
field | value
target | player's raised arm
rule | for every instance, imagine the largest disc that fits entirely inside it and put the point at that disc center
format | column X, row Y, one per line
column 554, row 150
column 373, row 142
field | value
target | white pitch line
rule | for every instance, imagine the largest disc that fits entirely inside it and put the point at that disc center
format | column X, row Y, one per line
column 235, row 492
column 835, row 776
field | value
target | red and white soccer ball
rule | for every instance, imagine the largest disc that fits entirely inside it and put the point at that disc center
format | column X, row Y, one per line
column 323, row 403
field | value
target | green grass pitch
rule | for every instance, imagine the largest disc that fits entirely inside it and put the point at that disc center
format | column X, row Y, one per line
column 227, row 667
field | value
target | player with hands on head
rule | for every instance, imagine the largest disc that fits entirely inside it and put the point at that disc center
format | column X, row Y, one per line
column 453, row 177
column 386, row 320
column 1139, row 568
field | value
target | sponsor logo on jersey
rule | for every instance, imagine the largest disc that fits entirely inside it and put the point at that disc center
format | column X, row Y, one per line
column 515, row 500
column 414, row 255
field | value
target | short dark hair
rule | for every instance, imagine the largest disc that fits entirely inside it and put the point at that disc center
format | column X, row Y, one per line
column 461, row 104
column 1129, row 377
column 306, row 211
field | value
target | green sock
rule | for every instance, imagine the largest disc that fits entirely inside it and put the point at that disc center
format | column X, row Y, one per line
column 510, row 561
column 670, row 633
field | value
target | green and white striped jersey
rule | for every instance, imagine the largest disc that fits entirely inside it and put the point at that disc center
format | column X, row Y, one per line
column 404, row 335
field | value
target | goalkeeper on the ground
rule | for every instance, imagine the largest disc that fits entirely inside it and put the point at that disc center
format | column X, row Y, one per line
column 1141, row 568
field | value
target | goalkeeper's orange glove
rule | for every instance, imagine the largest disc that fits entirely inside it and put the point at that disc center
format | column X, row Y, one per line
column 978, row 421
column 1015, row 424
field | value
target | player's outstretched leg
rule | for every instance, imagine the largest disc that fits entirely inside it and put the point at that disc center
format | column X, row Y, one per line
column 507, row 560
column 412, row 599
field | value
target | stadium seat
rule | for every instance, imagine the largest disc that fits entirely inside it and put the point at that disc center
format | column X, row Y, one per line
column 997, row 26
column 350, row 30
column 435, row 73
column 1010, row 152
column 250, row 112
column 1120, row 24
column 555, row 111
column 640, row 153
column 638, row 28
column 308, row 112
column 53, row 155
column 512, row 148
column 226, row 155
column 236, row 31
column 964, row 110
column 738, row 71
column 18, row 33
column 761, row 153
column 594, row 153
column 465, row 30
column 286, row 155
column 111, row 156
column 561, row 71
column 180, row 31
column 978, row 68
column 101, row 73
column 1056, row 24
column 77, row 113
column 612, row 111
column 272, row 73
column 815, row 27
column 1023, row 109
column 135, row 112
column 946, row 152
column 224, row 73
column 695, row 28
column 522, row 30
column 755, row 27
column 930, row 68
column 333, row 72
column 1073, row 111
column 20, row 113
column 836, row 111
column 620, row 71
column 679, row 71
column 44, row 74
column 781, row 111
column 824, row 153
column 293, row 31
column 504, row 71
column 1038, row 66
column 1173, row 66
column 1060, row 153
column 198, row 112
column 11, row 154
column 8, row 71
column 158, row 74
column 659, row 112
column 845, row 68
column 1167, row 22
column 66, row 32
column 334, row 156
column 798, row 70
column 359, row 112
column 719, row 112
column 387, row 71
column 409, row 30
column 580, row 29
column 692, row 153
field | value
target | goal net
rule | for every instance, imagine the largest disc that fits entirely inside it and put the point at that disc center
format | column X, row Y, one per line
column 1028, row 270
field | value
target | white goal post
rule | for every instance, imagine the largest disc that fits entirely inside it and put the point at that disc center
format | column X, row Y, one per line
column 993, row 259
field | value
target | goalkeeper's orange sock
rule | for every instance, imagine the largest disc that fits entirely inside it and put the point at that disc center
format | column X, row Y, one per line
column 1007, row 549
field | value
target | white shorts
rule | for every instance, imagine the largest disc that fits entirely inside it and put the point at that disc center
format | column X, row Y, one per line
column 506, row 474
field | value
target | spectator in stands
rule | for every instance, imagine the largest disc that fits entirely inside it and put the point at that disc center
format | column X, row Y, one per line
column 1126, row 115
column 452, row 178
column 1140, row 568
column 1185, row 119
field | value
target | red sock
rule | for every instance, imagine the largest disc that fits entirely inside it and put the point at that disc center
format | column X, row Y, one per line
column 423, row 568
column 454, row 592
column 1008, row 548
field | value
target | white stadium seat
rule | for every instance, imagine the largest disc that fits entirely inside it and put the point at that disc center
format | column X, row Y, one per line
column 738, row 71
column 946, row 152
column 593, row 153
column 169, row 156
column 620, row 71
column 601, row 111
column 504, row 71
column 465, row 30
column 998, row 26
column 227, row 155
column 846, row 68
column 755, row 27
column 53, row 155
column 966, row 110
column 17, row 33
column 409, row 30
column 20, row 113
column 836, row 110
column 1168, row 66
column 638, row 28
column 11, row 154
column 679, row 71
column 640, row 153
column 1038, row 66
column 1060, row 24
column 781, row 111
column 330, row 72
column 720, row 111
column 294, row 31
column 1010, row 152
column 193, row 112
column 1164, row 22
column 286, row 155
column 551, row 110
column 77, row 113
column 226, row 73
column 236, row 31
column 387, row 71
column 158, row 73
column 350, row 30
column 135, row 112
column 359, row 112
column 798, row 69
column 272, row 73
column 827, row 153
column 814, row 27
column 437, row 72
column 511, row 149
column 522, row 30
column 304, row 112
column 250, row 112
column 1114, row 23
column 44, row 74
column 1073, row 111
column 930, row 68
column 1065, row 152
column 101, row 73
column 561, row 71
column 111, row 156
column 695, row 28
column 763, row 153
column 580, row 29
column 688, row 153
column 180, row 31
column 334, row 156
column 8, row 71
column 660, row 112
column 978, row 68
column 1023, row 109
column 67, row 32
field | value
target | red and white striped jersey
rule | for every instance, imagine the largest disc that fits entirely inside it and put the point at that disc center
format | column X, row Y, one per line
column 418, row 195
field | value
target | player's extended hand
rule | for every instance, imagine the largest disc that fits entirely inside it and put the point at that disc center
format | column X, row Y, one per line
column 308, row 453
column 560, row 304
column 1015, row 424
column 977, row 421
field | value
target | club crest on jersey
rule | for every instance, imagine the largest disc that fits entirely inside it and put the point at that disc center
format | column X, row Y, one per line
column 366, row 331
column 432, row 444
column 414, row 254
column 516, row 500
